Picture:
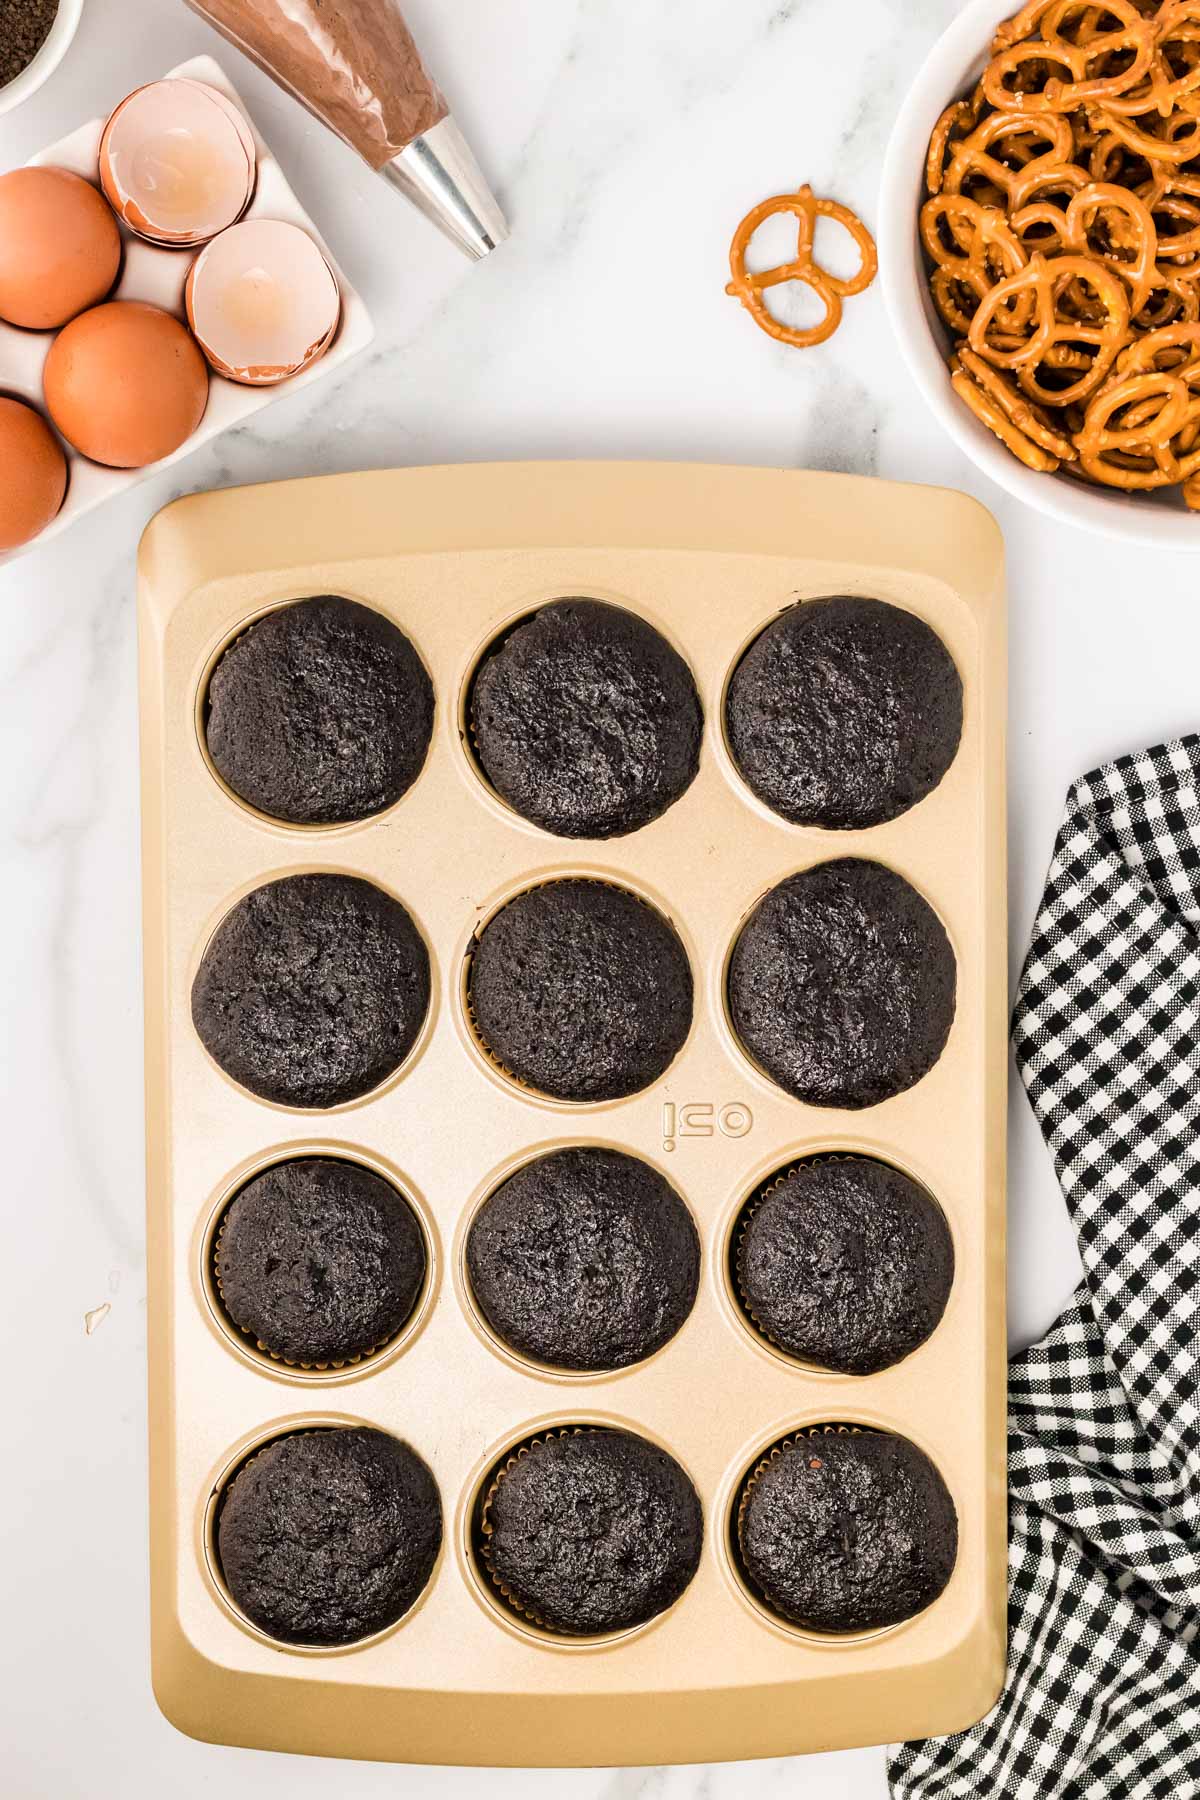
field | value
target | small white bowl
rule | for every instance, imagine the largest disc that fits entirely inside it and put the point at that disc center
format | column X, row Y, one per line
column 58, row 42
column 954, row 65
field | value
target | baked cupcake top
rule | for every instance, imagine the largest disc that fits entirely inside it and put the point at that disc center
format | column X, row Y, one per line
column 842, row 984
column 319, row 713
column 848, row 1532
column 581, row 990
column 325, row 1537
column 586, row 720
column 846, row 1263
column 584, row 1259
column 320, row 1261
column 844, row 712
column 312, row 990
column 592, row 1532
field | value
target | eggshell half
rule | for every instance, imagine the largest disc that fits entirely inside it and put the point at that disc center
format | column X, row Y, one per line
column 34, row 474
column 262, row 301
column 177, row 162
column 60, row 249
column 125, row 384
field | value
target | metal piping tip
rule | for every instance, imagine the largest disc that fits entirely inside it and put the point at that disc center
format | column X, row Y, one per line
column 438, row 173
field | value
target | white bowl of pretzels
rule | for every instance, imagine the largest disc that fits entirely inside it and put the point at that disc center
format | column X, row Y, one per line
column 1040, row 251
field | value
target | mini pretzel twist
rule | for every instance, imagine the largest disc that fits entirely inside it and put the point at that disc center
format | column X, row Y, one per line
column 1134, row 433
column 1000, row 153
column 1025, row 428
column 971, row 247
column 1049, row 281
column 831, row 290
column 1132, row 249
column 958, row 121
column 1081, row 57
column 1160, row 90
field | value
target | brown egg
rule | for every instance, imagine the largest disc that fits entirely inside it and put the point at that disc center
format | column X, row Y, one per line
column 60, row 248
column 125, row 384
column 35, row 474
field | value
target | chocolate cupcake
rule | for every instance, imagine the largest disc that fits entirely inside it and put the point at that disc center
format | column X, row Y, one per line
column 586, row 720
column 312, row 990
column 844, row 712
column 585, row 1259
column 580, row 990
column 325, row 1537
column 847, row 1531
column 319, row 1261
column 591, row 1531
column 846, row 1263
column 319, row 713
column 842, row 984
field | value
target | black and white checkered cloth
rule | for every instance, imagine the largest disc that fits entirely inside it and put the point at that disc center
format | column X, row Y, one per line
column 1102, row 1700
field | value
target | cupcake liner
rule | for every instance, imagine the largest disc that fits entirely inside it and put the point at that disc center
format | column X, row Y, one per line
column 485, row 1048
column 502, row 1068
column 485, row 1527
column 742, row 1226
column 288, row 1362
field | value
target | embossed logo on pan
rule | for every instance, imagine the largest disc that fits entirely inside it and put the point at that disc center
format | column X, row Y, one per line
column 703, row 1119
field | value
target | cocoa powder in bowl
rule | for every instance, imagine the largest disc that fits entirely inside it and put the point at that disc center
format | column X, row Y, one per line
column 24, row 28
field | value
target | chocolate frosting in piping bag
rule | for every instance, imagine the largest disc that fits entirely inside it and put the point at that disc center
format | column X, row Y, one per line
column 355, row 66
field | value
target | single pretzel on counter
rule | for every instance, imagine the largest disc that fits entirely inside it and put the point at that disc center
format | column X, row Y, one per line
column 831, row 290
column 1062, row 239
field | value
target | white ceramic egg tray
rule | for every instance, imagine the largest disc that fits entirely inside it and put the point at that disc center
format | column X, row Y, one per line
column 158, row 276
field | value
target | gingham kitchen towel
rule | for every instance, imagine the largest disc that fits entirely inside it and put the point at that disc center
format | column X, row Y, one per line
column 1102, row 1700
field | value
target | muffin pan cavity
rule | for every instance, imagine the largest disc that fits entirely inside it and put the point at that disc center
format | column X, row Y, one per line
column 604, row 1025
column 843, row 1532
column 843, row 713
column 840, row 1264
column 323, row 1537
column 582, row 719
column 584, row 1534
column 329, row 1268
column 317, row 714
column 583, row 1261
column 579, row 990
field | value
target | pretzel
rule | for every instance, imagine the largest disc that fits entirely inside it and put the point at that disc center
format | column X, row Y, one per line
column 1161, row 90
column 1048, row 281
column 958, row 121
column 997, row 152
column 1025, row 428
column 831, row 290
column 980, row 241
column 1061, row 235
column 1175, row 139
column 1133, row 247
column 1130, row 438
column 1081, row 57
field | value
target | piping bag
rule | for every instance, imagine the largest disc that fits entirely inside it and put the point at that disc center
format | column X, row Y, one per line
column 354, row 65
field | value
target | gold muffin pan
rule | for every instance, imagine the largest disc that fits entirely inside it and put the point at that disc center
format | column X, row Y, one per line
column 455, row 557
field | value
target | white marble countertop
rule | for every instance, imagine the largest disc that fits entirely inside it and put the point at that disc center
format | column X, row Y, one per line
column 626, row 141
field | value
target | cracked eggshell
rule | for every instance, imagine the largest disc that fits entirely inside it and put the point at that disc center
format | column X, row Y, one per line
column 262, row 302
column 177, row 163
